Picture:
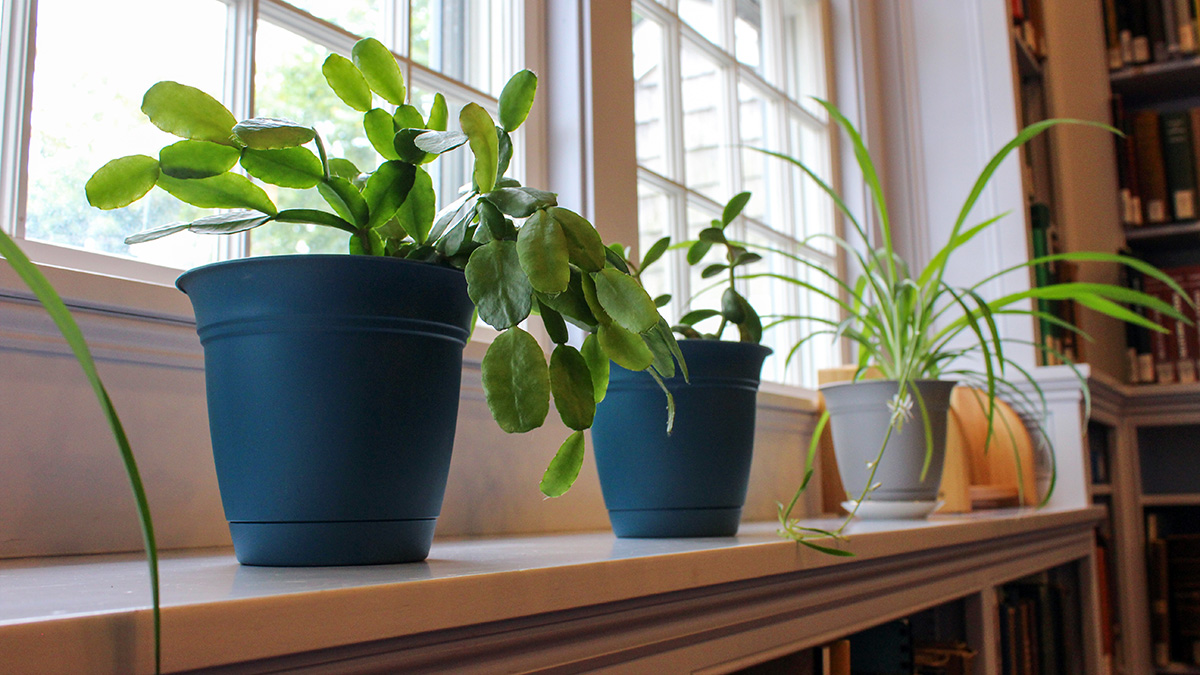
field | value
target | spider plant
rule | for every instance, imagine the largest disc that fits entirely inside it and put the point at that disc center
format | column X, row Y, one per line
column 913, row 325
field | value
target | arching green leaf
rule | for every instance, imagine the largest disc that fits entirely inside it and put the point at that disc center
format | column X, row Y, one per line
column 656, row 250
column 564, row 468
column 598, row 365
column 584, row 246
column 438, row 114
column 378, row 66
column 624, row 299
column 230, row 222
column 516, row 381
column 542, row 248
column 498, row 286
column 386, row 190
column 571, row 384
column 417, row 212
column 268, row 133
column 481, row 133
column 381, row 132
column 553, row 322
column 347, row 82
column 626, row 349
column 345, row 200
column 226, row 191
column 156, row 233
column 516, row 99
column 197, row 159
column 314, row 217
column 188, row 112
column 295, row 168
column 521, row 202
column 734, row 207
column 122, row 181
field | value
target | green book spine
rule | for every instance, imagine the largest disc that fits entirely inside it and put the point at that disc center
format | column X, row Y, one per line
column 1179, row 164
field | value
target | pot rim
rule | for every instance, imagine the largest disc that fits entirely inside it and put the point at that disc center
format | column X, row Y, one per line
column 291, row 258
column 877, row 381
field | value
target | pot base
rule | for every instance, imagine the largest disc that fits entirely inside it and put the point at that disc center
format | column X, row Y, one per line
column 888, row 510
column 668, row 523
column 377, row 542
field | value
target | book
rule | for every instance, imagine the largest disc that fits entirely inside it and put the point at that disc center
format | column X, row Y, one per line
column 1127, row 178
column 1152, row 178
column 1158, row 590
column 1155, row 30
column 1112, row 35
column 886, row 649
column 1164, row 346
column 1183, row 581
column 1185, row 25
column 1179, row 164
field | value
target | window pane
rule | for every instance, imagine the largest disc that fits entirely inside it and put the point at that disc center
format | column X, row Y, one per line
column 704, row 143
column 747, row 33
column 654, row 223
column 772, row 299
column 755, row 119
column 803, row 35
column 361, row 17
column 464, row 40
column 702, row 15
column 649, row 94
column 814, row 209
column 86, row 111
column 288, row 84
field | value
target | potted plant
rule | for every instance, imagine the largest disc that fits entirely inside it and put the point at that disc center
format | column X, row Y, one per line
column 924, row 335
column 691, row 482
column 333, row 380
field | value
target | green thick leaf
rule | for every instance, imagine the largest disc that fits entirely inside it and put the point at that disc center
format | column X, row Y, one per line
column 406, row 148
column 713, row 235
column 542, row 248
column 368, row 243
column 624, row 299
column 732, row 306
column 229, row 222
column 314, row 217
column 504, row 151
column 626, row 349
column 565, row 466
column 379, row 68
column 598, row 365
column 417, row 212
column 481, row 133
column 347, row 81
column 713, row 270
column 408, row 117
column 571, row 384
column 62, row 318
column 345, row 200
column 516, row 99
column 386, row 190
column 584, row 246
column 494, row 222
column 438, row 113
column 438, row 142
column 197, row 159
column 188, row 112
column 556, row 328
column 226, row 191
column 521, row 202
column 498, row 286
column 295, row 168
column 656, row 250
column 156, row 233
column 734, row 207
column 122, row 181
column 697, row 251
column 697, row 315
column 343, row 168
column 664, row 360
column 381, row 132
column 572, row 304
column 268, row 133
column 516, row 381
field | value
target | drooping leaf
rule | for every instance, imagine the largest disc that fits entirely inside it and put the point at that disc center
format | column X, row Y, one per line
column 598, row 365
column 122, row 181
column 734, row 207
column 504, row 151
column 565, row 466
column 584, row 246
column 345, row 200
column 438, row 113
column 417, row 211
column 229, row 222
column 381, row 132
column 516, row 99
column 463, row 207
column 494, row 222
column 668, row 337
column 498, row 286
column 314, row 217
column 542, row 248
column 626, row 349
column 347, row 82
column 438, row 142
column 408, row 117
column 197, row 159
column 481, row 133
column 572, row 304
column 268, row 133
column 295, row 168
column 521, row 202
column 656, row 250
column 380, row 70
column 226, row 191
column 386, row 190
column 156, row 233
column 697, row 315
column 553, row 322
column 624, row 299
column 516, row 381
column 188, row 112
column 571, row 384
column 732, row 306
column 664, row 360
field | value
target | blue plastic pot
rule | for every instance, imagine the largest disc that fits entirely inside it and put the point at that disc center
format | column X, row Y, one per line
column 333, row 387
column 693, row 482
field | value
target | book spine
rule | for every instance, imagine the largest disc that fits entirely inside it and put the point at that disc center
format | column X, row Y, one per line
column 1185, row 26
column 1152, row 177
column 1131, row 212
column 1155, row 31
column 1112, row 35
column 1179, row 164
column 1159, row 592
column 1163, row 343
column 1170, row 29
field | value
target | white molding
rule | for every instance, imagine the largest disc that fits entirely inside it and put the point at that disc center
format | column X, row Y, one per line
column 19, row 23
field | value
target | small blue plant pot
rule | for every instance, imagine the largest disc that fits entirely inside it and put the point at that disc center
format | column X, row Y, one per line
column 333, row 384
column 693, row 482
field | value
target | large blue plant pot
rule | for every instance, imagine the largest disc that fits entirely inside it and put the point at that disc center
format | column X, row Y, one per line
column 691, row 483
column 333, row 386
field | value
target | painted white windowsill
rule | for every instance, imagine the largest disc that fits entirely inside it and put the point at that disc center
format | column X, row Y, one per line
column 90, row 614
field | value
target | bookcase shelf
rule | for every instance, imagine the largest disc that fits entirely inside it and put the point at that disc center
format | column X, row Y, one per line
column 1157, row 82
column 1169, row 235
column 1171, row 499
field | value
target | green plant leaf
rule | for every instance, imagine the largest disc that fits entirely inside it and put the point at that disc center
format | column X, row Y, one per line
column 615, row 255
column 345, row 200
column 504, row 151
column 343, row 168
column 697, row 251
column 516, row 99
column 668, row 337
column 556, row 328
column 521, row 202
column 481, row 134
column 733, row 306
column 379, row 68
column 122, row 181
column 314, row 217
column 516, row 381
column 664, row 360
column 347, row 81
column 494, row 222
column 697, row 315
column 156, row 233
column 381, row 132
column 438, row 142
column 417, row 212
column 542, row 248
column 229, row 222
column 571, row 384
column 584, row 246
column 295, row 168
column 663, row 300
column 196, row 159
column 565, row 466
column 656, row 250
column 406, row 147
column 713, row 235
column 734, row 207
column 624, row 299
column 598, row 365
column 226, row 191
column 408, row 117
column 367, row 243
column 713, row 270
column 498, row 286
column 438, row 114
column 386, row 190
column 626, row 349
column 572, row 303
column 188, row 112
column 268, row 133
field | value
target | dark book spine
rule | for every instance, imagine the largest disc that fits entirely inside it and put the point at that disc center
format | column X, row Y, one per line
column 1155, row 30
column 1179, row 164
column 1152, row 177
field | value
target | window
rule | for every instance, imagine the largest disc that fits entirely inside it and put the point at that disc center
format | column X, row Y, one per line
column 713, row 79
column 75, row 85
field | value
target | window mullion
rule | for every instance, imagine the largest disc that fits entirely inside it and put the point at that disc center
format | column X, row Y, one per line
column 673, row 102
column 19, row 23
column 239, row 93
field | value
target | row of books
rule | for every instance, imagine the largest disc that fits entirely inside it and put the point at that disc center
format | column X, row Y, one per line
column 1158, row 163
column 1150, row 31
column 1169, row 357
column 1037, row 635
column 1173, row 571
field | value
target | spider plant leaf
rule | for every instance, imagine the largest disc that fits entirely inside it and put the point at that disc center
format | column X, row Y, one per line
column 516, row 381
column 564, row 469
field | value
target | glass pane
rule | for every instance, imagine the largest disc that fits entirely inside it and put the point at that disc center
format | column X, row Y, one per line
column 704, row 144
column 361, row 17
column 649, row 101
column 288, row 84
column 813, row 208
column 748, row 34
column 821, row 351
column 654, row 223
column 803, row 37
column 86, row 111
column 703, row 16
column 465, row 40
column 754, row 118
column 773, row 299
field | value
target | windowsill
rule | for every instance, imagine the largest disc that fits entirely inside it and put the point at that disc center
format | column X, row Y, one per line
column 90, row 613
